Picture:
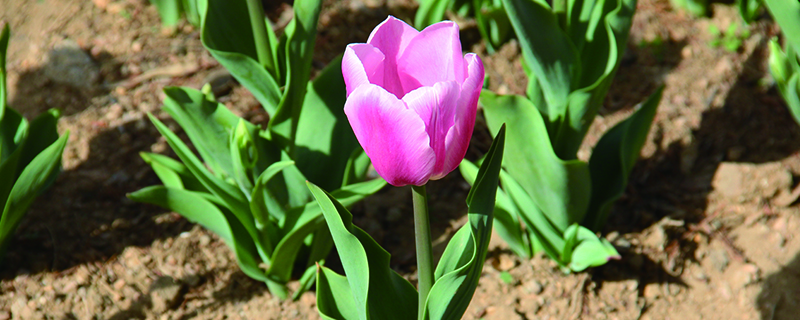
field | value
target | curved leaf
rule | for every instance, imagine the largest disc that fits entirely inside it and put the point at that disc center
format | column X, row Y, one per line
column 35, row 176
column 378, row 291
column 461, row 264
column 227, row 35
column 559, row 188
column 613, row 159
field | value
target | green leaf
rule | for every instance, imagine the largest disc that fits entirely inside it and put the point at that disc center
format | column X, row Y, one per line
column 262, row 202
column 169, row 10
column 228, row 36
column 207, row 124
column 43, row 131
column 168, row 170
column 460, row 267
column 300, row 40
column 378, row 291
column 305, row 220
column 192, row 11
column 430, row 12
column 559, row 188
column 748, row 9
column 786, row 13
column 34, row 178
column 493, row 24
column 550, row 55
column 232, row 198
column 325, row 141
column 244, row 157
column 507, row 222
column 543, row 230
column 590, row 251
column 613, row 159
column 334, row 297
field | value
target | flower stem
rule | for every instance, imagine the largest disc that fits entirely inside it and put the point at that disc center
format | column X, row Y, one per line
column 422, row 228
column 256, row 11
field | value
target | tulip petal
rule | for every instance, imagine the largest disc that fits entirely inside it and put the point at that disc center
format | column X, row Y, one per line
column 392, row 135
column 437, row 106
column 459, row 135
column 434, row 55
column 392, row 37
column 361, row 64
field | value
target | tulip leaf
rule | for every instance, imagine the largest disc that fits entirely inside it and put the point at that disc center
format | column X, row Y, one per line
column 430, row 12
column 459, row 269
column 169, row 10
column 35, row 176
column 378, row 291
column 198, row 209
column 207, row 124
column 305, row 220
column 558, row 188
column 786, row 13
column 325, row 141
column 300, row 40
column 334, row 297
column 538, row 224
column 171, row 168
column 613, row 159
column 550, row 55
column 507, row 222
column 591, row 252
column 233, row 198
column 228, row 36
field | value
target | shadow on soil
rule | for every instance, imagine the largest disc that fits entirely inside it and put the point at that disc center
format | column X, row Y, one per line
column 85, row 216
column 780, row 293
column 641, row 71
column 68, row 81
column 752, row 126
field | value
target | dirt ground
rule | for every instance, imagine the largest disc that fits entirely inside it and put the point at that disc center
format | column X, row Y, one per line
column 708, row 227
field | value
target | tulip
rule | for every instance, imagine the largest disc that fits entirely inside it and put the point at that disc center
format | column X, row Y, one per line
column 411, row 99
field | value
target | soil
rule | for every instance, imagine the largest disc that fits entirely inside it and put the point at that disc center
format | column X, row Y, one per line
column 708, row 227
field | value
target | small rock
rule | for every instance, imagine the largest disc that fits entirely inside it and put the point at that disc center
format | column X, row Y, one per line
column 205, row 240
column 744, row 275
column 719, row 259
column 68, row 64
column 534, row 287
column 165, row 293
column 120, row 223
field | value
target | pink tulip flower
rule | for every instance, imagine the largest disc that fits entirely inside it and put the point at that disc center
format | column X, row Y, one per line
column 411, row 99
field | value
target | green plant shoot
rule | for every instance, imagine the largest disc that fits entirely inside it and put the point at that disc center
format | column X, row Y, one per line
column 549, row 200
column 30, row 156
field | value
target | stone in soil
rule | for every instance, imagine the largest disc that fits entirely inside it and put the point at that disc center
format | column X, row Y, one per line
column 68, row 64
column 165, row 293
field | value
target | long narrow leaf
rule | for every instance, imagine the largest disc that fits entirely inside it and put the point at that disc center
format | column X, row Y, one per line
column 559, row 188
column 377, row 290
column 452, row 292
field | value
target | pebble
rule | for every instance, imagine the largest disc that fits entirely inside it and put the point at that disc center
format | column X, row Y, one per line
column 719, row 259
column 68, row 64
column 165, row 293
column 534, row 287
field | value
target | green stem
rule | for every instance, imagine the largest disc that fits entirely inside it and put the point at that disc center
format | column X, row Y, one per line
column 422, row 228
column 256, row 12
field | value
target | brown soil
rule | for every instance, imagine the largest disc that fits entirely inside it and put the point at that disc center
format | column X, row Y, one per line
column 708, row 228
